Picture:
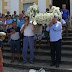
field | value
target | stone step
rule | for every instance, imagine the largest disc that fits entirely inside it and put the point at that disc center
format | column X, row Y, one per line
column 37, row 65
column 44, row 39
column 40, row 52
column 69, row 31
column 69, row 34
column 44, row 42
column 40, row 58
column 44, row 47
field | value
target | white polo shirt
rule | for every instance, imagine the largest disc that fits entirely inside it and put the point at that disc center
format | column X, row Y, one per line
column 62, row 21
column 28, row 31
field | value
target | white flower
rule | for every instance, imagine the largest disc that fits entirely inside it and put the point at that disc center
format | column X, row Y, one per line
column 32, row 11
column 34, row 22
column 44, row 18
column 56, row 11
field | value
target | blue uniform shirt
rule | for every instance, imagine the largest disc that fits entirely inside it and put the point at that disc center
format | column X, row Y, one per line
column 65, row 13
column 9, row 21
column 55, row 31
column 20, row 22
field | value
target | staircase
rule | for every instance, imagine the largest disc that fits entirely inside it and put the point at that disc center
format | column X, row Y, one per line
column 42, row 56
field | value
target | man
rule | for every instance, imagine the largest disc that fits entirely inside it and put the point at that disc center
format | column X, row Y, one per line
column 28, row 32
column 55, row 29
column 8, row 13
column 2, row 37
column 50, row 7
column 47, row 10
column 9, row 22
column 20, row 20
column 14, row 33
column 23, row 12
column 65, row 16
column 14, row 15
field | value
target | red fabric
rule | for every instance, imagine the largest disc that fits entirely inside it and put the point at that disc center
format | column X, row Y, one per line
column 1, row 68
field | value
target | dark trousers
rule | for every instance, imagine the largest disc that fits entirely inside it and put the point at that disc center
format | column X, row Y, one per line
column 55, row 51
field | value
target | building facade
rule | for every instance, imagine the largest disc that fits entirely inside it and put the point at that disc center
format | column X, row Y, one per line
column 19, row 5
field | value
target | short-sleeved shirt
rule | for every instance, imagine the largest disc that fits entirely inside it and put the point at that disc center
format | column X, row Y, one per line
column 9, row 21
column 16, row 35
column 62, row 21
column 28, row 31
column 65, row 13
column 20, row 22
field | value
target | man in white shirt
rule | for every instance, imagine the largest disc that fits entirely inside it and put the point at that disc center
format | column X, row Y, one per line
column 28, row 32
column 50, row 7
column 55, row 30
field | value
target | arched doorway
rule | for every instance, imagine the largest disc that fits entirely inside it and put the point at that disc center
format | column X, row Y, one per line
column 60, row 2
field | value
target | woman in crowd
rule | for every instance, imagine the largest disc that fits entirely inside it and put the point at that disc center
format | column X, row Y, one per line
column 2, row 37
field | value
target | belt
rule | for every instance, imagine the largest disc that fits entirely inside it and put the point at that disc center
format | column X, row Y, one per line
column 15, row 40
column 28, row 36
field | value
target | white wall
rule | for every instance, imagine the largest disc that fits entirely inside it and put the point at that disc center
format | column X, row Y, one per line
column 14, row 6
column 0, row 6
column 42, row 5
column 50, row 1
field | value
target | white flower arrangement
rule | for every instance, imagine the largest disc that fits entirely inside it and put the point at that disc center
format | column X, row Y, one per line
column 56, row 11
column 32, row 11
column 44, row 18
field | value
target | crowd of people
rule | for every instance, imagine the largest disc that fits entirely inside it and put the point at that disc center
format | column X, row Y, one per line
column 16, row 25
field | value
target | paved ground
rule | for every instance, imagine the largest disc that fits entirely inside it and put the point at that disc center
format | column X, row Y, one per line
column 6, row 69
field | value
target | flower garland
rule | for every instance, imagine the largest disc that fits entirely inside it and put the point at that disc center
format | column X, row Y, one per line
column 32, row 11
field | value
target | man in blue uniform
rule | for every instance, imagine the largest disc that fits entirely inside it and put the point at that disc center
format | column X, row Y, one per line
column 20, row 20
column 65, row 15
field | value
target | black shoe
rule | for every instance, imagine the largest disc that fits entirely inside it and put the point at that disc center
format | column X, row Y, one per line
column 12, row 61
column 19, row 61
column 52, row 64
column 57, row 65
column 24, row 62
column 31, row 62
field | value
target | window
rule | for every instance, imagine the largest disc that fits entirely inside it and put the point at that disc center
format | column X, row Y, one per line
column 26, row 6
